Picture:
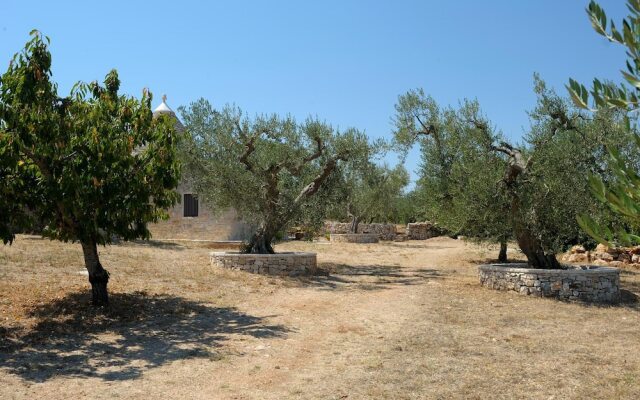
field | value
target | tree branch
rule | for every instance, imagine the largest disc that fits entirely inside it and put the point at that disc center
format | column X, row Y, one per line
column 314, row 186
column 249, row 144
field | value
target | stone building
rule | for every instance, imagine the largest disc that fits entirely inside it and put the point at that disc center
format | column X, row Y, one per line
column 191, row 218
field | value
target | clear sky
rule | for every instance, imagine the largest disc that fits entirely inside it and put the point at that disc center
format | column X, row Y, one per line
column 345, row 62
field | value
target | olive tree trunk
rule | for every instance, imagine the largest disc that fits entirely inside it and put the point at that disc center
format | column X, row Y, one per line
column 261, row 242
column 98, row 276
column 502, row 256
column 355, row 221
column 530, row 245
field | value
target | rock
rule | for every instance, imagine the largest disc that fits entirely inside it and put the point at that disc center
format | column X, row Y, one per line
column 635, row 250
column 578, row 258
column 625, row 258
column 635, row 258
column 616, row 264
column 578, row 249
column 600, row 262
column 605, row 257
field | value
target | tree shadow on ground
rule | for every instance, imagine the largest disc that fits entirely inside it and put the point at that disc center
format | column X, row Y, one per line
column 368, row 277
column 423, row 245
column 136, row 333
column 496, row 261
column 158, row 244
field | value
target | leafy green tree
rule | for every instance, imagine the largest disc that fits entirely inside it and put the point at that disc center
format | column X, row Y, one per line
column 476, row 183
column 621, row 191
column 92, row 166
column 407, row 209
column 460, row 184
column 372, row 192
column 269, row 169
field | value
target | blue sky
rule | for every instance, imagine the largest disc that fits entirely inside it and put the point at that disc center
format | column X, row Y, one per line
column 345, row 62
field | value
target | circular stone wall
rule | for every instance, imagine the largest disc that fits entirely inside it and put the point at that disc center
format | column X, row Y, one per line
column 354, row 237
column 587, row 283
column 285, row 264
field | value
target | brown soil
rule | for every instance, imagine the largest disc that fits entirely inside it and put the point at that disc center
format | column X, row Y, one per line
column 392, row 321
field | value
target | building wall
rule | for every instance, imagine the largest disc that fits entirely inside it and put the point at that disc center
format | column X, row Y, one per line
column 207, row 225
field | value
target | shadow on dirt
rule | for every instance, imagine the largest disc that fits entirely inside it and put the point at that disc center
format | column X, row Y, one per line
column 369, row 277
column 158, row 244
column 423, row 245
column 137, row 333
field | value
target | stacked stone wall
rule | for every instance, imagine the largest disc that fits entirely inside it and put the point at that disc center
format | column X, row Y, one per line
column 382, row 231
column 283, row 264
column 421, row 231
column 587, row 283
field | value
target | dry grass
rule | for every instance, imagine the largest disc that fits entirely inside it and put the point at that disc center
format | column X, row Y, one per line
column 392, row 320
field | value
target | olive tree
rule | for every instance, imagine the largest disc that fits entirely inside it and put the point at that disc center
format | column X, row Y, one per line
column 90, row 166
column 268, row 168
column 372, row 192
column 479, row 184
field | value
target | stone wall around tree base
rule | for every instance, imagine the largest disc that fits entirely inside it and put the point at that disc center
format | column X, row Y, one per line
column 593, row 284
column 353, row 238
column 282, row 264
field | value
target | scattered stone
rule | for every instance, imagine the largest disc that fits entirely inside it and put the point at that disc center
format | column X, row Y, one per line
column 577, row 249
column 578, row 258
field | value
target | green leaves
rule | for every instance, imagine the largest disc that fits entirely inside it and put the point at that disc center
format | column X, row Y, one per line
column 92, row 165
column 579, row 94
column 274, row 171
column 621, row 192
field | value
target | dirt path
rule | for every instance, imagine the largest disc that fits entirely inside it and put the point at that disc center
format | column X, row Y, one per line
column 394, row 320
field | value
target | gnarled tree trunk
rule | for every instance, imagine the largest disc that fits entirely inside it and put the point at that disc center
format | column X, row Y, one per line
column 502, row 256
column 536, row 256
column 260, row 242
column 529, row 244
column 98, row 276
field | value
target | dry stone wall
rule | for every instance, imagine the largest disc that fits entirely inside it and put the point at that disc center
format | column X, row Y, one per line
column 382, row 231
column 421, row 231
column 586, row 283
column 283, row 264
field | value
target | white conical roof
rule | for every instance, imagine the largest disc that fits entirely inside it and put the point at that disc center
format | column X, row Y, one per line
column 163, row 108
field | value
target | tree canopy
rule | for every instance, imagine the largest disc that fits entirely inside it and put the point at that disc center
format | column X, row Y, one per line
column 476, row 183
column 370, row 193
column 268, row 168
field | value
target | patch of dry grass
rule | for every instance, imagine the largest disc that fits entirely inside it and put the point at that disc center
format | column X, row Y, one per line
column 391, row 320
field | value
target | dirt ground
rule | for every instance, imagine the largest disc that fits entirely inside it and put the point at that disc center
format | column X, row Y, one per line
column 391, row 321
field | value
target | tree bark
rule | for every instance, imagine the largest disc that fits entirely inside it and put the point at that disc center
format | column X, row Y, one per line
column 536, row 256
column 502, row 256
column 260, row 242
column 355, row 221
column 98, row 276
column 529, row 244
